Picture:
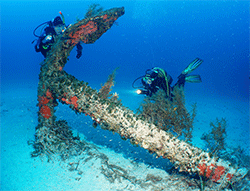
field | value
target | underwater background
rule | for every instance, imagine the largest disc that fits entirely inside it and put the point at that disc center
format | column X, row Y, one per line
column 166, row 34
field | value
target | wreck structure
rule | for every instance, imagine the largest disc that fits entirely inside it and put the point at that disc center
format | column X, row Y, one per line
column 53, row 136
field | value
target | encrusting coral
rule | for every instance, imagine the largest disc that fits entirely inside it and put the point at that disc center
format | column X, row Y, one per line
column 56, row 85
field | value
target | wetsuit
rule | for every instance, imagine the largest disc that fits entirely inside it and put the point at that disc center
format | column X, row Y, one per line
column 157, row 78
column 46, row 40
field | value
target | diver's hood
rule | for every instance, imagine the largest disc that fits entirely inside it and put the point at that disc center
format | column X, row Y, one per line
column 57, row 21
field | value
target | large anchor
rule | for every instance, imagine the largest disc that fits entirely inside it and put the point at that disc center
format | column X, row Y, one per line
column 57, row 85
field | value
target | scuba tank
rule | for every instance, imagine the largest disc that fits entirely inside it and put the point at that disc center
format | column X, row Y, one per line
column 48, row 23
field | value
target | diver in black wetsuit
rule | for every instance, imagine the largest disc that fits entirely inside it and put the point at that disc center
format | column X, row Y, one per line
column 157, row 78
column 46, row 39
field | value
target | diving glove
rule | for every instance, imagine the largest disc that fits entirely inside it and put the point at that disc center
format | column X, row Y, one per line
column 79, row 50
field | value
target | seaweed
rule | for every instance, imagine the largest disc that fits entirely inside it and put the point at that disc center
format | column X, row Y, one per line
column 114, row 172
column 237, row 156
column 58, row 139
column 169, row 114
column 105, row 90
column 215, row 139
column 153, row 178
column 215, row 143
column 93, row 10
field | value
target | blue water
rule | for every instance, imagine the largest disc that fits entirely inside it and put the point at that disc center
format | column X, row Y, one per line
column 167, row 34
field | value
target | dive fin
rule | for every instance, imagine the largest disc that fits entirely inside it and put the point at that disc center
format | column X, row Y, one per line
column 193, row 79
column 192, row 66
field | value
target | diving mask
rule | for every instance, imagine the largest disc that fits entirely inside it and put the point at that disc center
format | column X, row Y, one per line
column 148, row 80
column 59, row 29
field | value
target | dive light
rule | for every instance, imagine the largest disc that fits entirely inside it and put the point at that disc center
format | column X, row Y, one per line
column 140, row 91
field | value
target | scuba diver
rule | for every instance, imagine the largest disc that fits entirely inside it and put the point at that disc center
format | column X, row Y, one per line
column 47, row 37
column 157, row 78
